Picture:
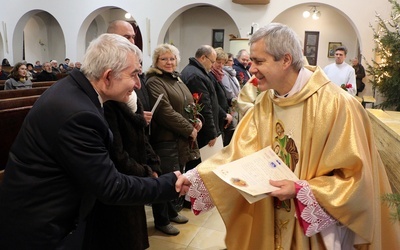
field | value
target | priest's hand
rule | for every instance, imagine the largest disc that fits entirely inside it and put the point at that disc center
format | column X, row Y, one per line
column 286, row 191
column 182, row 184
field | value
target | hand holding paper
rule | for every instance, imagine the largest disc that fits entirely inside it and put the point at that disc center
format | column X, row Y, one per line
column 252, row 174
column 287, row 189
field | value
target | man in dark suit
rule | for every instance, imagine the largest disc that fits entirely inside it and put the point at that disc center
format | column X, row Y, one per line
column 59, row 163
column 46, row 74
column 196, row 76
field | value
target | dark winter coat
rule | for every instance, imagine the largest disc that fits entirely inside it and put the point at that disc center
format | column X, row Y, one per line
column 222, row 101
column 59, row 164
column 242, row 73
column 198, row 81
column 124, row 227
column 46, row 76
column 170, row 121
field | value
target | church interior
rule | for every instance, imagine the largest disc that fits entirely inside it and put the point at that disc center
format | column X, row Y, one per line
column 44, row 31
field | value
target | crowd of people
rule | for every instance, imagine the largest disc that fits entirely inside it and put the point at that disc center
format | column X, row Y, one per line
column 131, row 138
column 22, row 74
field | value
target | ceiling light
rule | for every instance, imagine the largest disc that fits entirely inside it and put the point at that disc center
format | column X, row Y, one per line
column 128, row 15
column 313, row 12
column 306, row 14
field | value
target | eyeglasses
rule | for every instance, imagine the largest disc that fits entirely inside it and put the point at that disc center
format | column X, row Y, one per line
column 164, row 60
column 210, row 60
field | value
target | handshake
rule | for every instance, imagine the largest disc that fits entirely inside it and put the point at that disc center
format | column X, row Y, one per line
column 182, row 184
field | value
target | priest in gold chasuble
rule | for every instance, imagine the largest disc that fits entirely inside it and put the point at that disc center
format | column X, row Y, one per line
column 325, row 137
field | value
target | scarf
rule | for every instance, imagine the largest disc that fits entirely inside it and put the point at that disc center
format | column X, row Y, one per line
column 132, row 103
column 218, row 73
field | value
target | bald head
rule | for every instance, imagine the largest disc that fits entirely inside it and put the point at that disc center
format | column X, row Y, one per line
column 123, row 28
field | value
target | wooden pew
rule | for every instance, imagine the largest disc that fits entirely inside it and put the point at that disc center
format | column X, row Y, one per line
column 34, row 84
column 2, row 83
column 42, row 84
column 14, row 106
column 368, row 100
column 24, row 101
column 10, row 123
column 13, row 93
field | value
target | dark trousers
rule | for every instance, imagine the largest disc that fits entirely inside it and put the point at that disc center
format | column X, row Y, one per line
column 192, row 164
column 162, row 212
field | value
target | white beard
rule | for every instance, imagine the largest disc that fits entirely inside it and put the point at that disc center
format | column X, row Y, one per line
column 132, row 103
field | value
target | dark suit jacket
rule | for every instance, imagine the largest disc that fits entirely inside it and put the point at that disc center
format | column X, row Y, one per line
column 198, row 81
column 59, row 164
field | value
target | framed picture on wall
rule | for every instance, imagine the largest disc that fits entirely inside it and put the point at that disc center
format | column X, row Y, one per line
column 218, row 38
column 331, row 48
column 311, row 46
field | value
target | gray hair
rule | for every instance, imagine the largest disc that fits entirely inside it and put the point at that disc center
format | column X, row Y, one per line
column 204, row 50
column 241, row 52
column 279, row 40
column 165, row 48
column 108, row 51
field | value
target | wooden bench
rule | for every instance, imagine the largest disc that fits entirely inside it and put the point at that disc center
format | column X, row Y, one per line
column 14, row 106
column 10, row 123
column 42, row 84
column 24, row 101
column 13, row 93
column 367, row 100
column 2, row 83
column 34, row 84
column 364, row 100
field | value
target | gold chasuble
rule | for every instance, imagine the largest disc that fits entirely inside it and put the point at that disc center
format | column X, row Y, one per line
column 336, row 155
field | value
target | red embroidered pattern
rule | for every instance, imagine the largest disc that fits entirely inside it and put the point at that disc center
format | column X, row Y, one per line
column 314, row 218
column 199, row 195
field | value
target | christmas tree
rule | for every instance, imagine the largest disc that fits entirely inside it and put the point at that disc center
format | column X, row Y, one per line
column 385, row 74
column 385, row 71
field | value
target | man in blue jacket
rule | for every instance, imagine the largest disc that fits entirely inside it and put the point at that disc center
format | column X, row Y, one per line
column 59, row 163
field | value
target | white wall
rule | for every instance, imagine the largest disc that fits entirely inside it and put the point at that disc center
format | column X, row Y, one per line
column 75, row 17
column 195, row 29
column 332, row 27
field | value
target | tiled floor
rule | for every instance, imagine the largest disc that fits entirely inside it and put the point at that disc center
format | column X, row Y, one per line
column 204, row 231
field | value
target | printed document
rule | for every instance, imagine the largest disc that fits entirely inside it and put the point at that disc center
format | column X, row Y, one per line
column 251, row 174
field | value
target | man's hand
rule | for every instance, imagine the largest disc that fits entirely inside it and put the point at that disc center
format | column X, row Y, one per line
column 194, row 134
column 147, row 116
column 198, row 125
column 212, row 142
column 182, row 184
column 287, row 189
column 228, row 119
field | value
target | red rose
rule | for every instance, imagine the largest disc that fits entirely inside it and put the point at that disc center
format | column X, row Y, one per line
column 255, row 81
column 348, row 85
column 195, row 96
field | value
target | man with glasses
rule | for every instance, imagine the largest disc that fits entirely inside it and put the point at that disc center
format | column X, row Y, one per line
column 196, row 76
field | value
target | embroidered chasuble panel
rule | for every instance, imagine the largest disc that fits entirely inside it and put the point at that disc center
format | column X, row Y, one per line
column 287, row 135
column 286, row 144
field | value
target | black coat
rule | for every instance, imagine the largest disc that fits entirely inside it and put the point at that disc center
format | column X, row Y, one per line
column 222, row 101
column 198, row 81
column 59, row 164
column 242, row 73
column 46, row 76
column 124, row 227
